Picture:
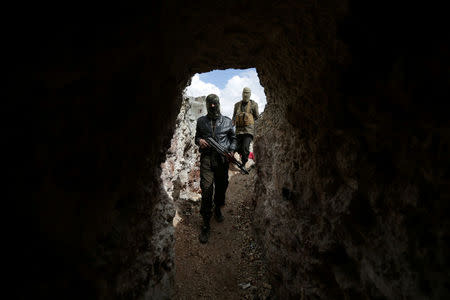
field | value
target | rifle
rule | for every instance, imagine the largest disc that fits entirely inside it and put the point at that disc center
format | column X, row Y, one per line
column 221, row 150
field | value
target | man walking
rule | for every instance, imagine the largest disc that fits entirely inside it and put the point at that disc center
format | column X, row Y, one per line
column 244, row 116
column 213, row 166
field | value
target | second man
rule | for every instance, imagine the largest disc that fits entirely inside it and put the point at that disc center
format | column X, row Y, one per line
column 244, row 117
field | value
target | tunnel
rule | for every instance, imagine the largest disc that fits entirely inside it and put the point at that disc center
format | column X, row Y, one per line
column 352, row 193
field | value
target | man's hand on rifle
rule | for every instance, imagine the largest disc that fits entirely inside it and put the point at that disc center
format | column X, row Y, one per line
column 203, row 143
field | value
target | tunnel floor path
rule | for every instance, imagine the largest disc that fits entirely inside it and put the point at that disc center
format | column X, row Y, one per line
column 230, row 265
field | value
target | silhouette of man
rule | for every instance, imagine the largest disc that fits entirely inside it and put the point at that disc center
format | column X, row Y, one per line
column 213, row 166
column 244, row 117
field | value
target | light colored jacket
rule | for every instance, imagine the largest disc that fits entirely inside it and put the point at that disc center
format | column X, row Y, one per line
column 250, row 129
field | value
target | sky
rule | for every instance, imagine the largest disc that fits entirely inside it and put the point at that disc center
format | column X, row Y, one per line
column 228, row 85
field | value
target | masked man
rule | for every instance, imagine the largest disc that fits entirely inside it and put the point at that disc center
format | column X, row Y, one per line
column 244, row 116
column 213, row 166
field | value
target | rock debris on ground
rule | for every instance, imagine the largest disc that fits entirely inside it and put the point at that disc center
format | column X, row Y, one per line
column 230, row 265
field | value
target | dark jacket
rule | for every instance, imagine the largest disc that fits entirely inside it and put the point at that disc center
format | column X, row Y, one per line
column 224, row 133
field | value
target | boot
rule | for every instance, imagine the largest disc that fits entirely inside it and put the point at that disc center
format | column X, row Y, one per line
column 218, row 214
column 204, row 234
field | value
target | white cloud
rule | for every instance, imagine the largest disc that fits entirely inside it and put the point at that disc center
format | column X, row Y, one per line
column 232, row 92
column 199, row 88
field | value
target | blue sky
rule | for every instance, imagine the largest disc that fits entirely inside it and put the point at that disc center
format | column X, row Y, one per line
column 228, row 85
column 220, row 77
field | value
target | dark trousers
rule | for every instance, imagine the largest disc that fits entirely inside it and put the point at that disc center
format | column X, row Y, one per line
column 243, row 144
column 213, row 180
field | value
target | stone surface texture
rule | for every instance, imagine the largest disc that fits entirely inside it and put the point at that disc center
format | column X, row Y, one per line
column 352, row 189
column 181, row 169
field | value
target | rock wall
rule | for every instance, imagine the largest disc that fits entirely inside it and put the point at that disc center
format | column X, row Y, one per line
column 352, row 191
column 181, row 170
column 182, row 160
column 86, row 136
column 350, row 200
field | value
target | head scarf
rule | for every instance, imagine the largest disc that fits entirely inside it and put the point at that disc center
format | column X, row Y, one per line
column 246, row 98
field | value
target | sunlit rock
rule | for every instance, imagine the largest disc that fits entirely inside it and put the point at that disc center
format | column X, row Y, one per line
column 182, row 161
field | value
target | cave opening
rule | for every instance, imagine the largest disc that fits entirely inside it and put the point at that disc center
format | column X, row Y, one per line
column 233, row 248
column 180, row 172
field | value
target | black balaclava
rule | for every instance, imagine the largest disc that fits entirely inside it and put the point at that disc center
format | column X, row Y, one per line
column 213, row 112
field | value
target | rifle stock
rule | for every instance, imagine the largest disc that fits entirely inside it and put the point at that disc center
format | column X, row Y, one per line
column 222, row 151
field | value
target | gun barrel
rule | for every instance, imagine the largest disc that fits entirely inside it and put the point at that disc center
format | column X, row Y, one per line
column 213, row 143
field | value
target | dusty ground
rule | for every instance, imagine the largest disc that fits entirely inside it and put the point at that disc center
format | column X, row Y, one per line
column 229, row 266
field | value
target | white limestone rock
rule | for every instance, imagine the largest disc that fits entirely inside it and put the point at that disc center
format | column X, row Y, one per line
column 181, row 170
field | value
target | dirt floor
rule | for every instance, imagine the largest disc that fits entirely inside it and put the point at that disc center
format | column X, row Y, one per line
column 229, row 266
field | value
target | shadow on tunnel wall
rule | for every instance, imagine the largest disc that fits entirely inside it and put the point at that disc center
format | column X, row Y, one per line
column 93, row 97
